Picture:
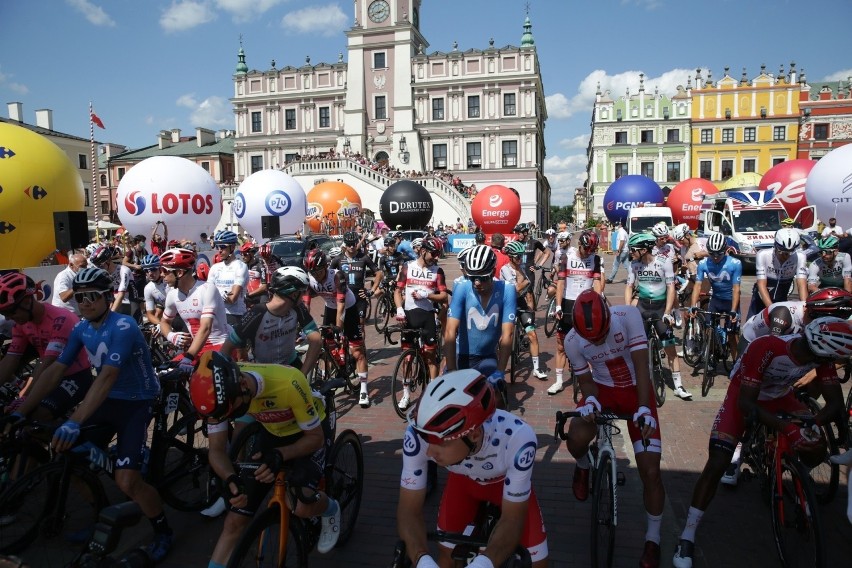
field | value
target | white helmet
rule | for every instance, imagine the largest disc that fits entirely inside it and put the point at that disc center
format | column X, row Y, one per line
column 416, row 242
column 480, row 261
column 787, row 239
column 91, row 248
column 334, row 251
column 660, row 229
column 550, row 232
column 563, row 236
column 830, row 337
column 681, row 231
column 716, row 242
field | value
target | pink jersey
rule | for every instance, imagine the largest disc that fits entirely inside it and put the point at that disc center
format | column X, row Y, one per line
column 49, row 337
column 202, row 301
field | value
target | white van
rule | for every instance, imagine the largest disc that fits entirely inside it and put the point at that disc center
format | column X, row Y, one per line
column 642, row 218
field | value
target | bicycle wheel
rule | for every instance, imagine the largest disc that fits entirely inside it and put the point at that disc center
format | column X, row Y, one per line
column 325, row 370
column 826, row 475
column 603, row 513
column 539, row 288
column 180, row 468
column 52, row 528
column 709, row 363
column 514, row 357
column 260, row 545
column 410, row 370
column 550, row 320
column 344, row 480
column 693, row 342
column 795, row 517
column 575, row 385
column 655, row 363
column 383, row 314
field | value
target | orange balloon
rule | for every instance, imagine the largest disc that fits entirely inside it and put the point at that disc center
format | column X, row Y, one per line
column 333, row 198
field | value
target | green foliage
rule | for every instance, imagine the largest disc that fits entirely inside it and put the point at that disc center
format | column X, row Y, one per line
column 561, row 213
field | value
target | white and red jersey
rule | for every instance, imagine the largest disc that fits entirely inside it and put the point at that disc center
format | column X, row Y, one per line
column 428, row 279
column 611, row 362
column 122, row 276
column 759, row 324
column 202, row 301
column 332, row 290
column 668, row 251
column 224, row 275
column 768, row 364
column 579, row 273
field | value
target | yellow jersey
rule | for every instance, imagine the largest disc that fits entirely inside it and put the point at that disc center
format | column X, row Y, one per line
column 284, row 403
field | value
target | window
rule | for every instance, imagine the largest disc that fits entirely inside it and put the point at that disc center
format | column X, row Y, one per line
column 439, row 156
column 81, row 162
column 672, row 135
column 749, row 134
column 256, row 163
column 474, row 154
column 379, row 61
column 437, row 109
column 705, row 169
column 290, row 119
column 473, row 106
column 646, row 136
column 620, row 169
column 621, row 137
column 255, row 121
column 776, row 161
column 121, row 172
column 381, row 108
column 510, row 154
column 647, row 169
column 820, row 132
column 509, row 104
column 288, row 158
column 727, row 135
column 103, row 180
column 105, row 207
column 673, row 171
column 707, row 136
column 87, row 199
column 325, row 117
column 205, row 166
column 779, row 133
column 727, row 168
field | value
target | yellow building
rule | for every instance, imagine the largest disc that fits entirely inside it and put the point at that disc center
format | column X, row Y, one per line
column 741, row 126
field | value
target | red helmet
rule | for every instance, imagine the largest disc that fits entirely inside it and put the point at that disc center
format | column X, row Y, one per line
column 432, row 244
column 265, row 251
column 829, row 302
column 248, row 247
column 315, row 259
column 214, row 387
column 589, row 241
column 453, row 405
column 174, row 243
column 202, row 271
column 591, row 316
column 14, row 287
column 178, row 258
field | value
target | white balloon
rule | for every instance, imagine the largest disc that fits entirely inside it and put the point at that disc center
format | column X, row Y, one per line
column 270, row 192
column 829, row 186
column 173, row 190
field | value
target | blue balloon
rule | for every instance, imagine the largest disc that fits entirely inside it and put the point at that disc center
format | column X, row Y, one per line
column 627, row 192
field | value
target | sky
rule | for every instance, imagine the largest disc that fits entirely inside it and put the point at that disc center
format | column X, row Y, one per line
column 156, row 65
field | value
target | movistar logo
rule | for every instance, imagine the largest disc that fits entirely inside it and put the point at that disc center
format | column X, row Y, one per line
column 483, row 321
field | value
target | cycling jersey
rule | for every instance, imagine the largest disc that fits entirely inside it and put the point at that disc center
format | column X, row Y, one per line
column 830, row 274
column 122, row 276
column 779, row 276
column 272, row 337
column 723, row 275
column 155, row 295
column 652, row 279
column 332, row 289
column 258, row 275
column 224, row 275
column 284, row 404
column 429, row 279
column 480, row 327
column 202, row 301
column 355, row 269
column 119, row 343
column 49, row 337
column 759, row 324
column 405, row 248
column 528, row 258
column 578, row 273
column 667, row 251
column 390, row 264
column 509, row 275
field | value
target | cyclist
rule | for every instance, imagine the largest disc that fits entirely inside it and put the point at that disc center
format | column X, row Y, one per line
column 551, row 244
column 776, row 269
column 390, row 261
column 354, row 265
column 832, row 268
column 107, row 258
column 664, row 246
column 340, row 310
column 63, row 289
column 405, row 247
column 489, row 454
column 513, row 275
column 783, row 318
column 652, row 277
column 579, row 269
column 295, row 436
column 258, row 275
column 761, row 384
column 498, row 241
column 121, row 397
column 535, row 254
column 229, row 275
column 608, row 350
column 724, row 274
column 155, row 290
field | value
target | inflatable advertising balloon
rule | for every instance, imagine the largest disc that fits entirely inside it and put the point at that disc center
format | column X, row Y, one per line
column 270, row 192
column 36, row 179
column 746, row 180
column 829, row 186
column 406, row 204
column 787, row 180
column 685, row 200
column 496, row 209
column 331, row 197
column 173, row 190
column 630, row 191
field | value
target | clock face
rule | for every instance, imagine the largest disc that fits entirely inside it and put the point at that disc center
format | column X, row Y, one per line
column 379, row 11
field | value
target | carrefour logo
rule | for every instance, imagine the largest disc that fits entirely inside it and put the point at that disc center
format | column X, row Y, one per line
column 134, row 203
column 239, row 205
column 278, row 203
column 495, row 201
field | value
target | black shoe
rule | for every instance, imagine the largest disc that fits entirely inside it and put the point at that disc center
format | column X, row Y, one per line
column 609, row 281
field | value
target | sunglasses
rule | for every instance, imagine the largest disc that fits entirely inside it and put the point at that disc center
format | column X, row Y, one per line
column 479, row 278
column 429, row 437
column 223, row 247
column 828, row 251
column 719, row 254
column 89, row 297
column 170, row 270
column 152, row 270
column 635, row 249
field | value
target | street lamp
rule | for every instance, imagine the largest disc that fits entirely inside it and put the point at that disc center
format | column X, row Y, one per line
column 403, row 150
column 346, row 145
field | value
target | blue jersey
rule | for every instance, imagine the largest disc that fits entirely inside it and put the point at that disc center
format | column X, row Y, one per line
column 118, row 342
column 405, row 248
column 480, row 329
column 722, row 275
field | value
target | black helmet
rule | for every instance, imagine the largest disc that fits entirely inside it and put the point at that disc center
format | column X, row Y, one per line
column 96, row 278
column 480, row 238
column 350, row 239
column 288, row 279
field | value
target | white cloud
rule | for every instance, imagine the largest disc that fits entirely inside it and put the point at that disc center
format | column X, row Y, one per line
column 839, row 75
column 326, row 21
column 187, row 101
column 94, row 14
column 186, row 14
column 247, row 10
column 7, row 83
column 565, row 174
column 581, row 141
column 213, row 112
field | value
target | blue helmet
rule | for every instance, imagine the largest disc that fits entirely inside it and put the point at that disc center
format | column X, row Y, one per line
column 150, row 261
column 225, row 238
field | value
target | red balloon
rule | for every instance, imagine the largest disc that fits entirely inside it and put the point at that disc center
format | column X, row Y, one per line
column 787, row 180
column 496, row 209
column 685, row 200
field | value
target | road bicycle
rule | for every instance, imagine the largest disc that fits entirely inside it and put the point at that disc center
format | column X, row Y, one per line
column 335, row 360
column 385, row 307
column 520, row 344
column 693, row 335
column 826, row 475
column 550, row 320
column 542, row 283
column 716, row 348
column 655, row 360
column 411, row 369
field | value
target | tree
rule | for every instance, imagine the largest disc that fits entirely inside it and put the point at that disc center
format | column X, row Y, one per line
column 562, row 213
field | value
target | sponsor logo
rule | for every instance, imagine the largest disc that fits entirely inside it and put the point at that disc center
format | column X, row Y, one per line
column 239, row 205
column 411, row 443
column 278, row 203
column 6, row 153
column 501, row 214
column 697, row 194
column 495, row 201
column 218, row 385
column 625, row 205
column 36, row 192
column 314, row 210
column 848, row 183
column 348, row 208
column 483, row 321
column 170, row 203
column 134, row 203
column 793, row 194
column 525, row 457
column 396, row 206
column 619, row 337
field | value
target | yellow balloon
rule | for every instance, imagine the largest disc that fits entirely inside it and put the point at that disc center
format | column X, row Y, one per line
column 749, row 179
column 36, row 179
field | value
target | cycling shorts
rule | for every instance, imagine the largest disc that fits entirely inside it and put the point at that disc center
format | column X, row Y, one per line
column 649, row 308
column 625, row 400
column 417, row 318
column 460, row 503
column 722, row 306
column 69, row 393
column 351, row 323
column 526, row 319
column 361, row 306
column 566, row 323
column 128, row 420
column 485, row 365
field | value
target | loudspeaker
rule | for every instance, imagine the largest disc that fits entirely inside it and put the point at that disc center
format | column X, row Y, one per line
column 270, row 226
column 71, row 229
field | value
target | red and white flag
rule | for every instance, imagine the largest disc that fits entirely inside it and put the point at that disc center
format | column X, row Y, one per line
column 96, row 120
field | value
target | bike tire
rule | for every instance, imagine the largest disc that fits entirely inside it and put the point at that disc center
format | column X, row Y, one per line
column 603, row 514
column 656, row 368
column 575, row 386
column 826, row 475
column 258, row 546
column 382, row 315
column 795, row 517
column 709, row 371
column 550, row 321
column 693, row 335
column 182, row 472
column 344, row 480
column 411, row 367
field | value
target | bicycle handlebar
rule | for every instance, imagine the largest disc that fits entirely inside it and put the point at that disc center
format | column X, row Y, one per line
column 601, row 418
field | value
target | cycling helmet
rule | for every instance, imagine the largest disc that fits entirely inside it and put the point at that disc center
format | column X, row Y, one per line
column 563, row 236
column 224, row 238
column 521, row 228
column 681, row 231
column 350, row 238
column 390, row 241
column 432, row 244
column 248, row 248
column 91, row 248
column 150, row 261
column 515, row 248
column 96, row 278
column 174, row 243
column 479, row 238
column 828, row 243
column 591, row 316
column 641, row 240
column 453, row 405
column 829, row 301
column 462, row 258
column 829, row 337
column 779, row 320
column 589, row 240
column 660, row 230
column 315, row 259
column 202, row 271
column 214, row 386
column 788, row 222
column 787, row 240
column 550, row 232
column 716, row 243
column 178, row 258
column 265, row 251
column 480, row 261
column 334, row 251
column 14, row 287
column 288, row 279
column 416, row 243
column 104, row 254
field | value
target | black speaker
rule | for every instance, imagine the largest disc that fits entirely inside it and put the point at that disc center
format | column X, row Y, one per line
column 270, row 226
column 71, row 229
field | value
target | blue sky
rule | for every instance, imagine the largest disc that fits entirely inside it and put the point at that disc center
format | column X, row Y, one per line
column 151, row 65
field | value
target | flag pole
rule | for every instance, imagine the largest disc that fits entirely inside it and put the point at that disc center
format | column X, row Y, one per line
column 96, row 203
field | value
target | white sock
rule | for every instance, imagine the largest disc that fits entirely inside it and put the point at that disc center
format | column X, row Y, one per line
column 406, row 391
column 737, row 451
column 676, row 379
column 535, row 363
column 583, row 462
column 363, row 378
column 652, row 533
column 559, row 373
column 693, row 518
